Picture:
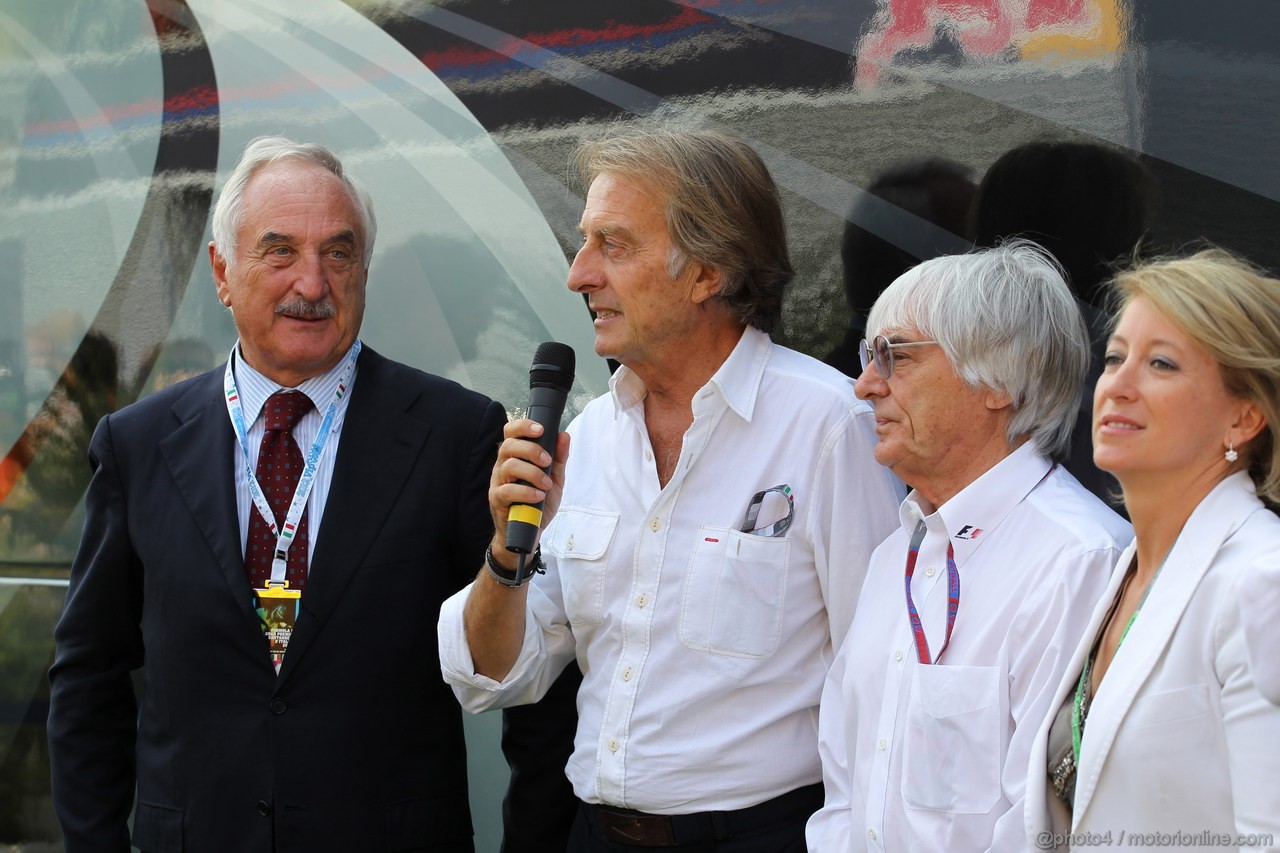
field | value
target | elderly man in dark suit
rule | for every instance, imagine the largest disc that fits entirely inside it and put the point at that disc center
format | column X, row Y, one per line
column 271, row 542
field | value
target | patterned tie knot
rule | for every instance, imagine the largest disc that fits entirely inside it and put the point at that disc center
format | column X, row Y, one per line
column 284, row 409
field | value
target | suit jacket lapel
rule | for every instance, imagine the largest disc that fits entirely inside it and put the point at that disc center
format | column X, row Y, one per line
column 380, row 441
column 207, row 485
column 1038, row 789
column 1218, row 516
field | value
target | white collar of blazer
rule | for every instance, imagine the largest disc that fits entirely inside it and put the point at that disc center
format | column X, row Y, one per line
column 1222, row 512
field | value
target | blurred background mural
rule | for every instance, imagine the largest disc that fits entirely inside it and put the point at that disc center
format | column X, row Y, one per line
column 1117, row 126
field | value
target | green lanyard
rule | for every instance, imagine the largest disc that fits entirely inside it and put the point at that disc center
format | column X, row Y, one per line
column 1082, row 689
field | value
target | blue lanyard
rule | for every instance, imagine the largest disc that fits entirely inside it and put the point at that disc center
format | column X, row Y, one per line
column 311, row 461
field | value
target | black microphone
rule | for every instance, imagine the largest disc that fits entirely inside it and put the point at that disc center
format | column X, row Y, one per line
column 550, row 379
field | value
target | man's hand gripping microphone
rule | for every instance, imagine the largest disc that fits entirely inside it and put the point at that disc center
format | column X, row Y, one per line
column 550, row 379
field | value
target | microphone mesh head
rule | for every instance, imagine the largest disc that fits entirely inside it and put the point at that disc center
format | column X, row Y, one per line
column 553, row 366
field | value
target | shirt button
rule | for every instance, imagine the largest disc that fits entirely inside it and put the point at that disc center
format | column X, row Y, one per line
column 871, row 833
column 884, row 744
column 929, row 571
column 655, row 524
column 897, row 656
column 642, row 600
column 626, row 674
column 648, row 456
column 613, row 746
column 568, row 545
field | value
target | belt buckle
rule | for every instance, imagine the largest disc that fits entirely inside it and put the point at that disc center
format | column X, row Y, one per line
column 637, row 829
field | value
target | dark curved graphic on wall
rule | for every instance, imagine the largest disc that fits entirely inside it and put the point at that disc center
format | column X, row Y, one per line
column 110, row 366
column 582, row 60
column 836, row 95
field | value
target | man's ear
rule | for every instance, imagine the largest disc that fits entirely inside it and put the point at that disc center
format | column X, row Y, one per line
column 996, row 400
column 219, row 266
column 706, row 282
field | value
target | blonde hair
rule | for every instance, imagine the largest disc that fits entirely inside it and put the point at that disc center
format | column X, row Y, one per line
column 1231, row 309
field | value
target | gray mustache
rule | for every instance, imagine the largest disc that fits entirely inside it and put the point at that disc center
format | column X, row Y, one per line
column 322, row 309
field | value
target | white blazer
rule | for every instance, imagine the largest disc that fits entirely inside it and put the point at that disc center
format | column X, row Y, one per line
column 1179, row 739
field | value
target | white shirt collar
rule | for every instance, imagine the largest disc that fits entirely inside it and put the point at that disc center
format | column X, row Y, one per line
column 736, row 381
column 255, row 388
column 968, row 517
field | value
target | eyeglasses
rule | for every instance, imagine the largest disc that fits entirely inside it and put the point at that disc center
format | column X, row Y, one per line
column 881, row 352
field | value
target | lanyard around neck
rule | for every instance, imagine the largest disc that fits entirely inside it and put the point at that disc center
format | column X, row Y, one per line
column 311, row 461
column 953, row 597
column 1079, row 711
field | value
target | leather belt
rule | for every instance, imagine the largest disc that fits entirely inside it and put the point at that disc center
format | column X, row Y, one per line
column 641, row 829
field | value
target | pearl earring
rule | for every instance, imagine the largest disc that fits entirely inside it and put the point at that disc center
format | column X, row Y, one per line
column 1231, row 454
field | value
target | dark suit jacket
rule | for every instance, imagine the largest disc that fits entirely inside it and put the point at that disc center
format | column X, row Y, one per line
column 537, row 740
column 357, row 744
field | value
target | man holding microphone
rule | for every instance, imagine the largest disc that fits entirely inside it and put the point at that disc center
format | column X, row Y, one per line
column 706, row 538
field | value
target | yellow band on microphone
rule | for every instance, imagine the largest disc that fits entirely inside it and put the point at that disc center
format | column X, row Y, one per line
column 527, row 514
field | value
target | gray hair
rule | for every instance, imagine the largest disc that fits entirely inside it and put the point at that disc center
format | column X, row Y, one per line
column 263, row 152
column 722, row 209
column 1007, row 322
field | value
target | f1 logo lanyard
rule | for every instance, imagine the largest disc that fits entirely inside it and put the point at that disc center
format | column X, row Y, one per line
column 953, row 597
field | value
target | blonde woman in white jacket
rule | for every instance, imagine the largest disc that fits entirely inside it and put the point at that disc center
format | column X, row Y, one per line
column 1164, row 733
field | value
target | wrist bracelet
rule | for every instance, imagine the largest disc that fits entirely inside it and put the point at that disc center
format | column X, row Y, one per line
column 530, row 564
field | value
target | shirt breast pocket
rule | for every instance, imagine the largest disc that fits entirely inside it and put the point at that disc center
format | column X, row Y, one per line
column 952, row 748
column 734, row 593
column 579, row 540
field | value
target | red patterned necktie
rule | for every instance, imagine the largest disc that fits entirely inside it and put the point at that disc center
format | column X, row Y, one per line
column 279, row 469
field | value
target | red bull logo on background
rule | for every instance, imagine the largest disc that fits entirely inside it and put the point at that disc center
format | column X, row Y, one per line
column 990, row 30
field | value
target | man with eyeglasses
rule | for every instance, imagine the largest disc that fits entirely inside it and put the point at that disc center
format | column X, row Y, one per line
column 712, row 522
column 973, row 606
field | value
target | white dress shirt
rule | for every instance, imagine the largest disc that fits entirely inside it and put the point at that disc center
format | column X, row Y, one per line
column 934, row 757
column 703, row 648
column 254, row 390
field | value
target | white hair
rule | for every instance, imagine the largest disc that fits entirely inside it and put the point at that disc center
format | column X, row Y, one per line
column 1007, row 322
column 264, row 151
